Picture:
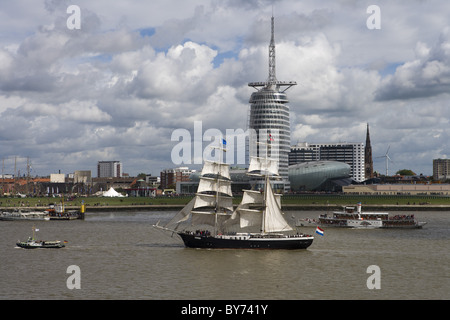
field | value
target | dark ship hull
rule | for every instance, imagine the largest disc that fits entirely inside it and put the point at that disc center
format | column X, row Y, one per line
column 245, row 241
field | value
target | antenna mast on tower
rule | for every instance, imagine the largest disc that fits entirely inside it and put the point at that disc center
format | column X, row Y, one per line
column 272, row 81
column 272, row 69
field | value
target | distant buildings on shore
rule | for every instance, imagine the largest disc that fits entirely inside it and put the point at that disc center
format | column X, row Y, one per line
column 37, row 186
column 441, row 169
column 109, row 175
column 320, row 175
column 107, row 169
column 336, row 167
column 170, row 177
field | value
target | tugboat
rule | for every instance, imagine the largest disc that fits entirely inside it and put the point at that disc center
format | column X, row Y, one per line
column 59, row 212
column 258, row 210
column 32, row 243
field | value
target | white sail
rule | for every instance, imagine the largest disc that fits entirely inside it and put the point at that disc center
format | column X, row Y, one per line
column 252, row 197
column 257, row 197
column 250, row 218
column 214, row 168
column 273, row 217
column 278, row 198
column 211, row 184
column 208, row 218
column 272, row 167
column 210, row 200
column 202, row 219
column 181, row 216
column 255, row 164
column 262, row 166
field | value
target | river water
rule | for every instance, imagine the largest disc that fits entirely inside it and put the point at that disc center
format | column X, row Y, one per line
column 120, row 256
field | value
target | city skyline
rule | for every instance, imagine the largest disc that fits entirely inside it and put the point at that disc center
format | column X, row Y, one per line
column 117, row 87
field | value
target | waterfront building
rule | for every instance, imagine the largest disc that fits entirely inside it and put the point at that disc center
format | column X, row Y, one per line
column 109, row 169
column 82, row 176
column 170, row 177
column 57, row 178
column 398, row 189
column 441, row 169
column 25, row 186
column 153, row 181
column 351, row 153
column 269, row 116
column 319, row 176
column 104, row 184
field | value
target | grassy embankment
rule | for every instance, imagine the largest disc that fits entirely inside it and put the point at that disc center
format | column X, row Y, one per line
column 287, row 200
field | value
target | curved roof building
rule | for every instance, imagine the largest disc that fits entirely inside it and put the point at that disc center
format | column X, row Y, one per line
column 316, row 175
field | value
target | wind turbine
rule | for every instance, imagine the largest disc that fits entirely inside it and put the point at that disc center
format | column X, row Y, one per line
column 387, row 160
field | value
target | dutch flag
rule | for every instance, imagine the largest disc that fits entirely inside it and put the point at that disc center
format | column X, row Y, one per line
column 319, row 231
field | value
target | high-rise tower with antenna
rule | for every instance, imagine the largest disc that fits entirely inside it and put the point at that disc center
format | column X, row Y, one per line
column 269, row 114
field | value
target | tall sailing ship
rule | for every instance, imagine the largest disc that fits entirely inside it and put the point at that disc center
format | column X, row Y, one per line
column 257, row 222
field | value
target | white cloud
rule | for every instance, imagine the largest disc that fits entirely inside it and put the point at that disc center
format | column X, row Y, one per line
column 182, row 73
column 427, row 75
column 108, row 91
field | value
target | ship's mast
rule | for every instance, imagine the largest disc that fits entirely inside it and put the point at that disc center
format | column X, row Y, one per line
column 220, row 149
column 266, row 183
column 217, row 192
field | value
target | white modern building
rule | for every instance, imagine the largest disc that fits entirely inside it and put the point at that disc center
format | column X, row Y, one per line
column 57, row 178
column 109, row 169
column 351, row 153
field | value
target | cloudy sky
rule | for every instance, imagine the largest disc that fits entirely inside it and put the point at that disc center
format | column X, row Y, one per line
column 135, row 71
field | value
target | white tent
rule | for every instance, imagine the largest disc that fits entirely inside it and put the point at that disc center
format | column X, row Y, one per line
column 112, row 193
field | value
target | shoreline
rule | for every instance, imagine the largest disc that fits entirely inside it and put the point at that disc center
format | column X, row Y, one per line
column 286, row 207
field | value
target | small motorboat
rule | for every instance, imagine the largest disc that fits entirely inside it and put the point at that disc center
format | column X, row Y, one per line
column 32, row 243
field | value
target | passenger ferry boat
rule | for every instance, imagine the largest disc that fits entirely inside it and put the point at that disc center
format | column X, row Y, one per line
column 24, row 215
column 351, row 218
